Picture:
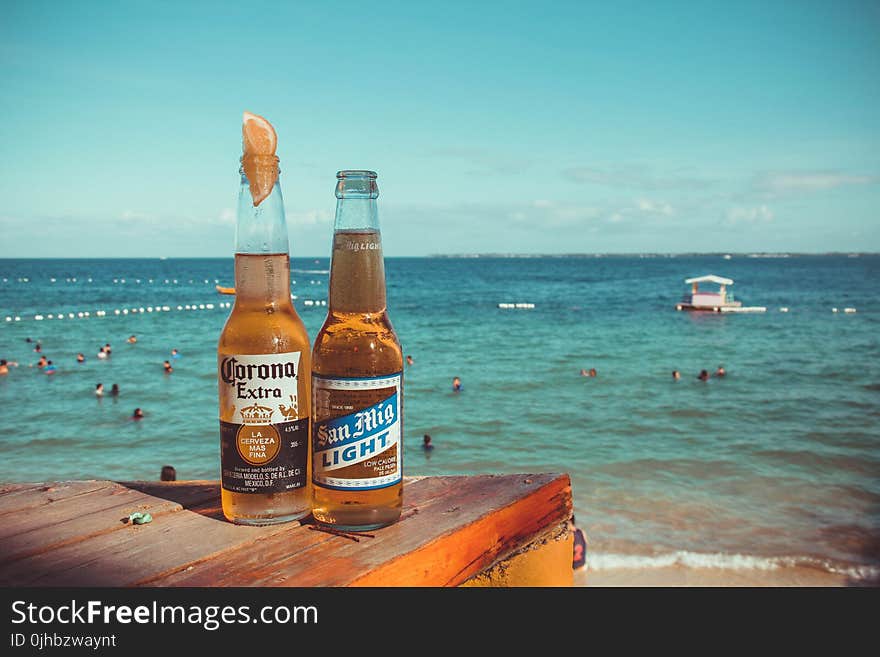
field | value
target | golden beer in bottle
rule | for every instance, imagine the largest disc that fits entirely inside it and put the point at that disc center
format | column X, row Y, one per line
column 357, row 375
column 263, row 356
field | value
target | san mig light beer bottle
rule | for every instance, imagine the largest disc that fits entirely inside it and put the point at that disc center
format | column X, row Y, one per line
column 357, row 375
column 263, row 355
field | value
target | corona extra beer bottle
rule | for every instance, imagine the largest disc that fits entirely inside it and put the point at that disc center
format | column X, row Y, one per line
column 263, row 356
column 357, row 375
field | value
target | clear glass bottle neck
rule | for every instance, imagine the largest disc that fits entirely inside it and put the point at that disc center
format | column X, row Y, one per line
column 356, row 214
column 357, row 269
column 260, row 229
column 356, row 208
column 262, row 264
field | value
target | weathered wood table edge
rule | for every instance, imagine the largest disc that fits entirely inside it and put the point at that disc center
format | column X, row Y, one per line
column 483, row 530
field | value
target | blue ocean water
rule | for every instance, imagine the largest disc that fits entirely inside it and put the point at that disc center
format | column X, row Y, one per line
column 775, row 464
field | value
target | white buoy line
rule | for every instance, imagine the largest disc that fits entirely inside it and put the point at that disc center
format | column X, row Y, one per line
column 136, row 310
column 86, row 314
column 520, row 306
column 137, row 281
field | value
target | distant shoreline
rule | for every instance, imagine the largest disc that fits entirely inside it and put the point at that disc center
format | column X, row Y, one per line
column 719, row 254
column 752, row 254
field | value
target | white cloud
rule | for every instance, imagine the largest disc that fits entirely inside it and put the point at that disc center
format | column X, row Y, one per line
column 655, row 207
column 757, row 214
column 562, row 214
column 775, row 183
column 134, row 215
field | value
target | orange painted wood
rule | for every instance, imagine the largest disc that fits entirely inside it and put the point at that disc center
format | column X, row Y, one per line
column 310, row 557
column 462, row 551
column 451, row 529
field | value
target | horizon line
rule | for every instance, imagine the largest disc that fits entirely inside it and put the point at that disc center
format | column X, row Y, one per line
column 585, row 254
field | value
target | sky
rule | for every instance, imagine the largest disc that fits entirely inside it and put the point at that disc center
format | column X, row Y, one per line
column 494, row 127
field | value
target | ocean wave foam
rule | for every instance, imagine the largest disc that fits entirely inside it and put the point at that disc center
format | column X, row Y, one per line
column 610, row 561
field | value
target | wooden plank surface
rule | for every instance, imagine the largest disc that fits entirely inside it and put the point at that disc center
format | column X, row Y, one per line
column 89, row 512
column 20, row 497
column 451, row 528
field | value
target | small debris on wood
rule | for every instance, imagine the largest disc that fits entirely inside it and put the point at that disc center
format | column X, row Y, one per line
column 138, row 518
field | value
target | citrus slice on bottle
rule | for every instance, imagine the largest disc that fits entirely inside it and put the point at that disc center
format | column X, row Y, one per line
column 259, row 135
column 258, row 161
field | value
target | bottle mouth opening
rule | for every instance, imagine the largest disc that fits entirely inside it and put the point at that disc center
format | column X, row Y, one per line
column 356, row 174
column 356, row 183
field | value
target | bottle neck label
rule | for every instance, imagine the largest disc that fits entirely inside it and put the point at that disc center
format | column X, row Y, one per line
column 356, row 435
column 357, row 272
column 351, row 245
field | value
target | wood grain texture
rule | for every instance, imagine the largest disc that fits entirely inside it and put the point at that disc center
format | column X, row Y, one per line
column 451, row 528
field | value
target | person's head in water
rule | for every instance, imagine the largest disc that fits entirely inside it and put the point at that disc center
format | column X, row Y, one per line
column 720, row 371
column 99, row 389
column 456, row 384
column 409, row 360
column 704, row 375
column 592, row 372
column 426, row 442
column 168, row 368
column 168, row 473
column 676, row 375
column 138, row 414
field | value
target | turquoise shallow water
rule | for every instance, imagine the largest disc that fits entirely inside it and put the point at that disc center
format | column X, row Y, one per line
column 775, row 464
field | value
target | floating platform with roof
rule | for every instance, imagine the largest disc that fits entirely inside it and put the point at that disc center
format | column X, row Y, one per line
column 719, row 301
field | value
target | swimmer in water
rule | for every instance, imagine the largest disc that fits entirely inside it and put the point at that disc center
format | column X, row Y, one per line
column 456, row 384
column 137, row 415
column 676, row 375
column 80, row 358
column 99, row 390
column 168, row 368
column 704, row 375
